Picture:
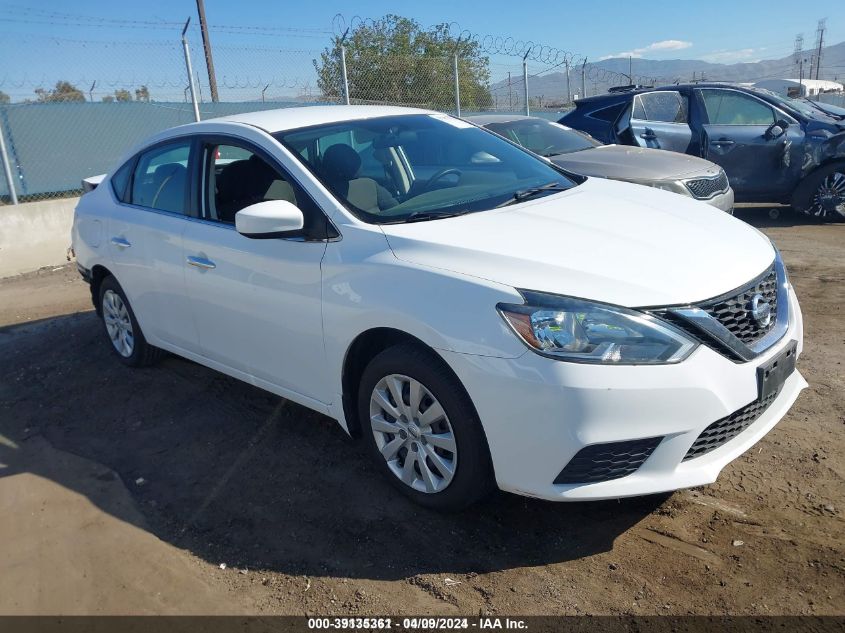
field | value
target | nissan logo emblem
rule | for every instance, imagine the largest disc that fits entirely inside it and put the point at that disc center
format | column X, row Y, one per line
column 761, row 310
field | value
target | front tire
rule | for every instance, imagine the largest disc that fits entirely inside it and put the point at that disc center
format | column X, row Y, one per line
column 122, row 329
column 822, row 193
column 422, row 429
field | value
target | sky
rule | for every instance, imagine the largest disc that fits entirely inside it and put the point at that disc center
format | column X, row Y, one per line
column 117, row 43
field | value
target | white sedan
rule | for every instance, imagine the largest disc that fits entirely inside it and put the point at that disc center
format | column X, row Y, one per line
column 480, row 317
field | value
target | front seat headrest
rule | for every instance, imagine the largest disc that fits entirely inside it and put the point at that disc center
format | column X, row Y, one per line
column 341, row 162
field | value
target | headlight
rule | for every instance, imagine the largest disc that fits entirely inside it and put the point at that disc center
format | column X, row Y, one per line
column 587, row 332
column 665, row 185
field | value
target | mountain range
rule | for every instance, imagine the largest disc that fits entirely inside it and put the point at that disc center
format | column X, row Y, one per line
column 551, row 86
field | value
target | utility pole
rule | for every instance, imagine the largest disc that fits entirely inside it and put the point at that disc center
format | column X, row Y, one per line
column 525, row 79
column 568, row 90
column 91, row 91
column 263, row 90
column 206, row 44
column 584, row 79
column 820, row 37
column 798, row 51
column 510, row 93
column 801, row 77
column 630, row 69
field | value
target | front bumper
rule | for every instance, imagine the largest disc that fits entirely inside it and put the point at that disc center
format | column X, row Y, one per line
column 723, row 201
column 539, row 413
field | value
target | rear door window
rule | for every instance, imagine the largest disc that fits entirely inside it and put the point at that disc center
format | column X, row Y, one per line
column 160, row 179
column 663, row 106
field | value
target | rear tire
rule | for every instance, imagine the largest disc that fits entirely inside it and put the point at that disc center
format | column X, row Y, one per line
column 822, row 194
column 430, row 445
column 122, row 329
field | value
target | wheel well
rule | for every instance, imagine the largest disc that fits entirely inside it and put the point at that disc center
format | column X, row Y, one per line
column 98, row 273
column 364, row 348
column 804, row 187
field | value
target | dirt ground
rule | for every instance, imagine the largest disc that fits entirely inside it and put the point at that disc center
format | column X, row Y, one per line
column 219, row 473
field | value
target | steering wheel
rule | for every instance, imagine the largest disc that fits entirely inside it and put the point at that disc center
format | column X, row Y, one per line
column 441, row 174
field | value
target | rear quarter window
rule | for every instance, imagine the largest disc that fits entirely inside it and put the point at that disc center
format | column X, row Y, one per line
column 120, row 181
column 609, row 113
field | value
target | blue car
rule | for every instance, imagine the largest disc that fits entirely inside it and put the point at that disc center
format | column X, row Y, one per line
column 773, row 149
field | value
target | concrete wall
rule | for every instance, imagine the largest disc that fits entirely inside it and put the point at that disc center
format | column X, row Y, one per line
column 35, row 234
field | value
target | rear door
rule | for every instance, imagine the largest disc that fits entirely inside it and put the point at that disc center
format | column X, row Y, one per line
column 739, row 133
column 145, row 242
column 659, row 120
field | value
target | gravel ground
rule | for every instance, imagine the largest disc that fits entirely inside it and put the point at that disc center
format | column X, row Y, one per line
column 304, row 524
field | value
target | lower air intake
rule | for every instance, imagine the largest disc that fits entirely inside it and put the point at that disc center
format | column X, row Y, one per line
column 603, row 462
column 724, row 430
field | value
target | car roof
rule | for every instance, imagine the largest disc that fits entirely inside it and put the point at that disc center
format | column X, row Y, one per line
column 624, row 95
column 283, row 119
column 486, row 119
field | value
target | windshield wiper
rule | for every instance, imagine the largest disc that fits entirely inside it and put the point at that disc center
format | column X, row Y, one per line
column 519, row 196
column 423, row 216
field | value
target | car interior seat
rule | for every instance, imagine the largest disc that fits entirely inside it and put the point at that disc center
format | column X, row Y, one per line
column 248, row 181
column 168, row 188
column 341, row 165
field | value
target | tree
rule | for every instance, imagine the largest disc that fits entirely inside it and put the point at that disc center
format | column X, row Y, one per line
column 142, row 94
column 394, row 59
column 108, row 99
column 4, row 98
column 64, row 91
column 122, row 95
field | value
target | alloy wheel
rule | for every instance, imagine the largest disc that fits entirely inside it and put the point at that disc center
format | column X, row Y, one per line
column 413, row 433
column 118, row 323
column 829, row 199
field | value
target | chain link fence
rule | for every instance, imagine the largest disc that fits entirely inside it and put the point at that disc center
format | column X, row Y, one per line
column 76, row 117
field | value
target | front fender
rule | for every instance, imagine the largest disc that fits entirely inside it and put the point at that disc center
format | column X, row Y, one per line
column 365, row 287
column 821, row 151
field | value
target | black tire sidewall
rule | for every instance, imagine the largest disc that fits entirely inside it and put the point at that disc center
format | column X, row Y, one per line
column 473, row 477
column 139, row 354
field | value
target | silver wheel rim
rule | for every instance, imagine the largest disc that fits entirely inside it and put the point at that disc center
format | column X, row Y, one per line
column 829, row 199
column 413, row 433
column 118, row 323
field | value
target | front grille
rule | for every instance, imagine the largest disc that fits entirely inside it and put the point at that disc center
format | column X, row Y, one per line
column 734, row 312
column 704, row 188
column 602, row 462
column 726, row 429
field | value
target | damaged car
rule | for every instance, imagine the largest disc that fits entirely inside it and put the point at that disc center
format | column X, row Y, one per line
column 770, row 150
column 579, row 153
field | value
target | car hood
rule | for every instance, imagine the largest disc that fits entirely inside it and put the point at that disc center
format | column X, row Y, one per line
column 608, row 241
column 622, row 162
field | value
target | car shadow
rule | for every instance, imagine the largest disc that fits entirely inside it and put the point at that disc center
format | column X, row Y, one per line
column 771, row 216
column 236, row 475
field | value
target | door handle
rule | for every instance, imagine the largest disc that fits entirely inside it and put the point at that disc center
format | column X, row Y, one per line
column 201, row 262
column 120, row 242
column 722, row 141
column 648, row 135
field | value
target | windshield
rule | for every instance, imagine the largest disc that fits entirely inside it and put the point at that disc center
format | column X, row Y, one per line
column 543, row 137
column 419, row 166
column 795, row 104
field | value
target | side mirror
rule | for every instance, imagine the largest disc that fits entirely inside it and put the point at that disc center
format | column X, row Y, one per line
column 269, row 219
column 777, row 129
